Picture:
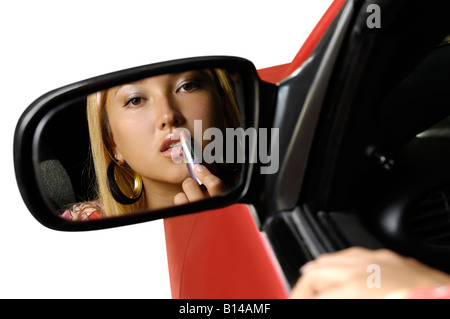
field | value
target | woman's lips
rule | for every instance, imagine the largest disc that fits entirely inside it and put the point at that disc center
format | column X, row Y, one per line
column 171, row 147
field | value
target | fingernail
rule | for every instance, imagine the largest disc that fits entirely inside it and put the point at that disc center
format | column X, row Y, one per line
column 199, row 168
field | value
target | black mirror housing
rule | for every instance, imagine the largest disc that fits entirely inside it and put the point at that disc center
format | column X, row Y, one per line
column 30, row 130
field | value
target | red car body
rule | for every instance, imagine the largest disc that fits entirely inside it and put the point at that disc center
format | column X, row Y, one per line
column 222, row 253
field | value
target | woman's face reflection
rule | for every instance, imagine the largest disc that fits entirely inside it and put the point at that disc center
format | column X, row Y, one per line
column 143, row 114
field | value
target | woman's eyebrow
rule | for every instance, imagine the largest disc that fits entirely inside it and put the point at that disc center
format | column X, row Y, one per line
column 138, row 82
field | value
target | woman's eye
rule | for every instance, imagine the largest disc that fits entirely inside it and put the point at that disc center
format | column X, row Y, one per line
column 134, row 102
column 188, row 86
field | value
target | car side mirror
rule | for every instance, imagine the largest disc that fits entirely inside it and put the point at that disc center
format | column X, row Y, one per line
column 123, row 148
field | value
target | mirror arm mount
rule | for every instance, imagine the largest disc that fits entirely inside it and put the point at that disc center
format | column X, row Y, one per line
column 267, row 100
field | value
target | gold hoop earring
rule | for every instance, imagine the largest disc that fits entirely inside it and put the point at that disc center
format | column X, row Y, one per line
column 115, row 190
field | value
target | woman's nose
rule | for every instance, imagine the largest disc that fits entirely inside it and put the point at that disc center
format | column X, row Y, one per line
column 169, row 115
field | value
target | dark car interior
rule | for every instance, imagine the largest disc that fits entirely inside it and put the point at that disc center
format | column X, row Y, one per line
column 379, row 172
column 410, row 202
column 64, row 156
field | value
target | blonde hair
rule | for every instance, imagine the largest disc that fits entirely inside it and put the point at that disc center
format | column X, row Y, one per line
column 231, row 110
column 102, row 154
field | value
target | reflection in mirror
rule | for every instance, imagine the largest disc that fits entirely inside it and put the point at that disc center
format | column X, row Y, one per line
column 145, row 145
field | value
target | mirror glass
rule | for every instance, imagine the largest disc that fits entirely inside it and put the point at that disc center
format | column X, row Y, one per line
column 158, row 142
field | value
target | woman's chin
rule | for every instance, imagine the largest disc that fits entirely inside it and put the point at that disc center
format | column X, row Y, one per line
column 168, row 172
column 178, row 174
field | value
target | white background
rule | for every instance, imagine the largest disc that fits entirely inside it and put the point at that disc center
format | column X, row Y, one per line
column 47, row 44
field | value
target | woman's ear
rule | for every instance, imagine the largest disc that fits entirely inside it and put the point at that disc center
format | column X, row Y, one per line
column 119, row 158
column 115, row 151
column 117, row 154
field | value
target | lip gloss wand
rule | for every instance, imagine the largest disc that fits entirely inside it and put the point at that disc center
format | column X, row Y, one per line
column 190, row 158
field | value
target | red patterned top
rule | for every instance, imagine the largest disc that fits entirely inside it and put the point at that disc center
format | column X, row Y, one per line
column 83, row 212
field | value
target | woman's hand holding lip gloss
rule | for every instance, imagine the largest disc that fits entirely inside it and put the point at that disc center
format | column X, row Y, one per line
column 192, row 191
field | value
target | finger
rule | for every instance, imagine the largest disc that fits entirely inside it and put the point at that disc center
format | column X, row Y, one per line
column 344, row 291
column 180, row 199
column 213, row 184
column 192, row 190
column 349, row 256
column 319, row 279
column 302, row 290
